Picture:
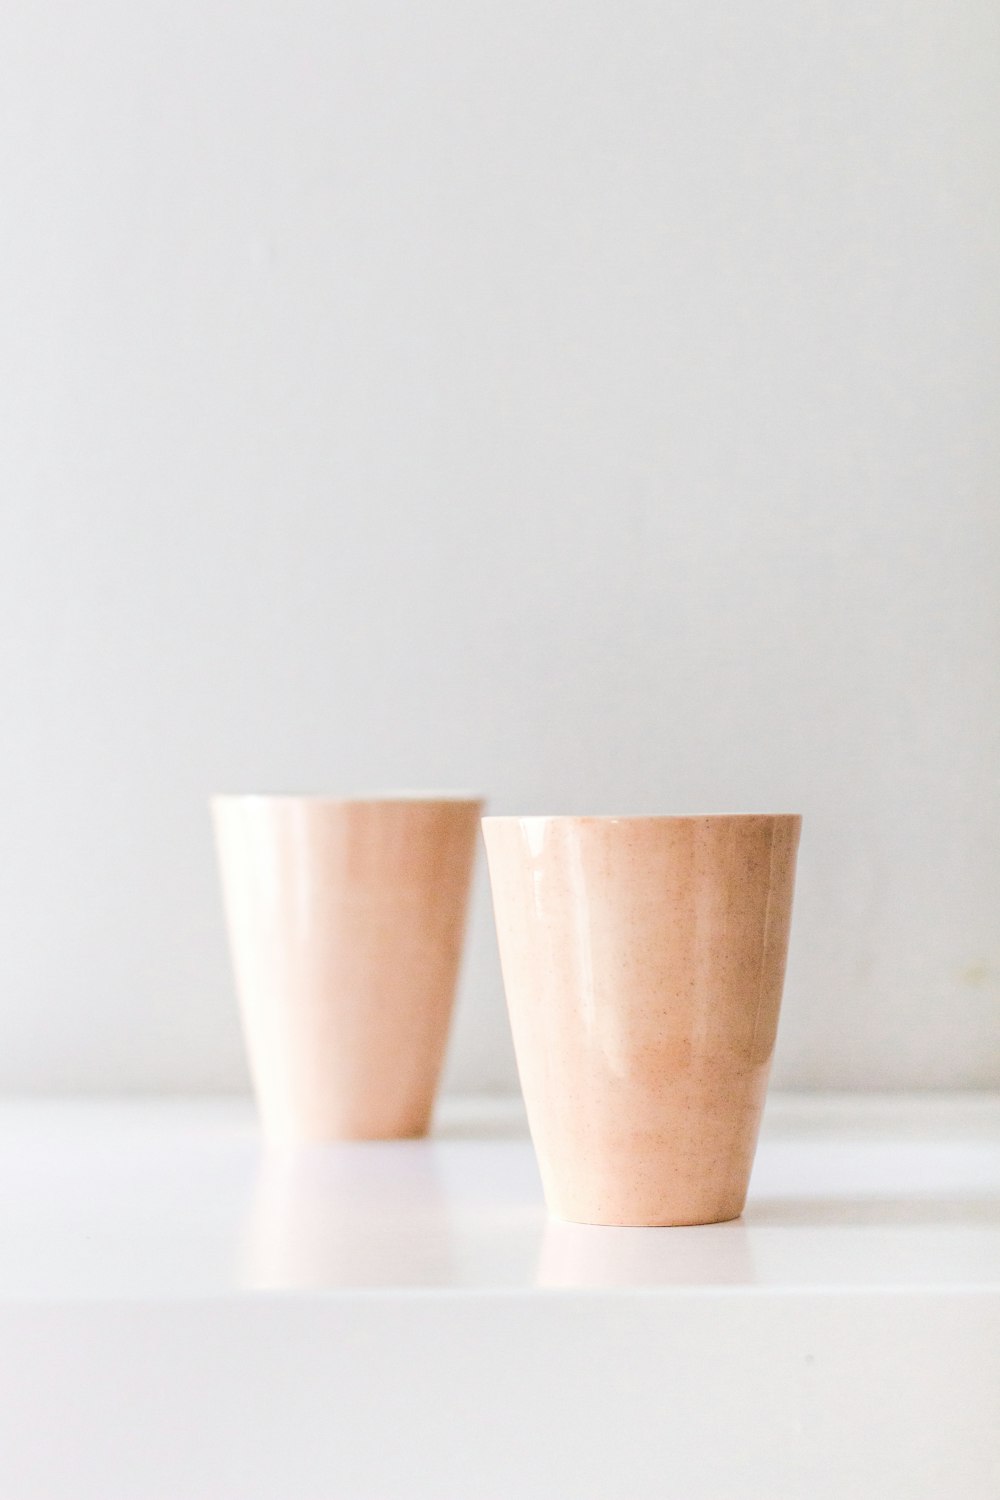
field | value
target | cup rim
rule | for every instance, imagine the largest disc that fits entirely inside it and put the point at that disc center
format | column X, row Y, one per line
column 640, row 817
column 365, row 799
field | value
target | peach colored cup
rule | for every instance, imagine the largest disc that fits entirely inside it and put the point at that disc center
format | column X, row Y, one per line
column 643, row 960
column 345, row 923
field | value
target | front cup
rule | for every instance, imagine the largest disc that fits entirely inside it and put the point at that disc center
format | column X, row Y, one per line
column 643, row 960
column 345, row 923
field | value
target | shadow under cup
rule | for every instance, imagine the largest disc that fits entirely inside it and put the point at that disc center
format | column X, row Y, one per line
column 643, row 961
column 345, row 921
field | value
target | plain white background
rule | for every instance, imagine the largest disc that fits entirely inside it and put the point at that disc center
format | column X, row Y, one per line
column 594, row 403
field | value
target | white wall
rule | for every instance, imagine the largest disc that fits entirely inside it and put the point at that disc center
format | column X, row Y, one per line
column 595, row 402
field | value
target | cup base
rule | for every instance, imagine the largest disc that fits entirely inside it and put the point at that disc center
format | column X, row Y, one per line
column 637, row 1221
column 291, row 1135
column 649, row 1218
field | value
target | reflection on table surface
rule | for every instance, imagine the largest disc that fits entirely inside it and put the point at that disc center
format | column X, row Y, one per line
column 179, row 1198
column 591, row 1255
column 470, row 1213
column 347, row 1216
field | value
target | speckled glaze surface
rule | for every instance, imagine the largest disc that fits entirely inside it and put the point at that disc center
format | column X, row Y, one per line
column 345, row 922
column 643, row 960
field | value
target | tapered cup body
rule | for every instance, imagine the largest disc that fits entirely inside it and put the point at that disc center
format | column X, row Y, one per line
column 643, row 960
column 345, row 922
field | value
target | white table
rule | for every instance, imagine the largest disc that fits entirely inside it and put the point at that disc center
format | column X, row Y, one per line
column 184, row 1315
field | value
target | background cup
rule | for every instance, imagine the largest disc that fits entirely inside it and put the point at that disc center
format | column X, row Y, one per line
column 345, row 923
column 643, row 960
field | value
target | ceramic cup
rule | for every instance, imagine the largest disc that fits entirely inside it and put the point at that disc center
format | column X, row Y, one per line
column 643, row 960
column 345, row 923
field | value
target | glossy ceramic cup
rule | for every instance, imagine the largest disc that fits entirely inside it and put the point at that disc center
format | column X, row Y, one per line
column 345, row 923
column 643, row 960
